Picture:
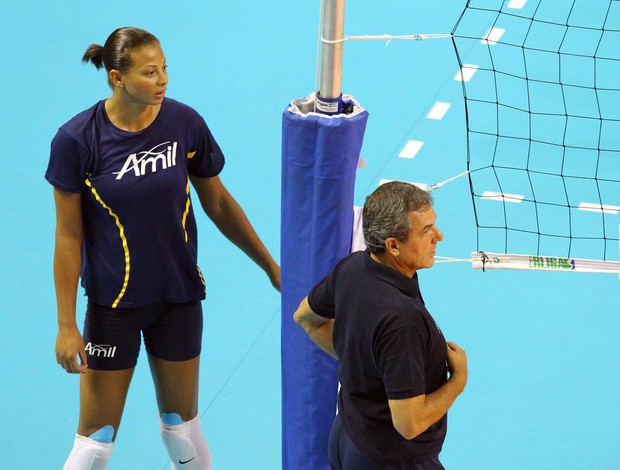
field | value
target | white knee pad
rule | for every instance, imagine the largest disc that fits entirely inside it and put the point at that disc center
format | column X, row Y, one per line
column 88, row 454
column 186, row 445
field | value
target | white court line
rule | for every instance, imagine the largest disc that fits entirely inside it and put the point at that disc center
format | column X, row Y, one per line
column 517, row 3
column 493, row 196
column 466, row 73
column 411, row 149
column 439, row 111
column 493, row 36
column 605, row 209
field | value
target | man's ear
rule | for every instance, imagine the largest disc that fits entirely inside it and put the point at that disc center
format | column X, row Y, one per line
column 392, row 246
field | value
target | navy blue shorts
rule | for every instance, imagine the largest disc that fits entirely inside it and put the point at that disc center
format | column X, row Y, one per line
column 345, row 455
column 112, row 336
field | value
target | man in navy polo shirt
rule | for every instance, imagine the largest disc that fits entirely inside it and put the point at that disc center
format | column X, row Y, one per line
column 398, row 374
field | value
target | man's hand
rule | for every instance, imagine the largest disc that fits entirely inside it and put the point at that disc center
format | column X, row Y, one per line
column 457, row 364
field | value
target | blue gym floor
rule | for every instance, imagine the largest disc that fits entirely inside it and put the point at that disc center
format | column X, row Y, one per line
column 543, row 348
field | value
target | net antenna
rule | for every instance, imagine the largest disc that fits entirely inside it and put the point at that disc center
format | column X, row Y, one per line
column 542, row 102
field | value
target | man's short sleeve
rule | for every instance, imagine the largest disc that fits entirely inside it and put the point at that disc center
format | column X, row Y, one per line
column 321, row 297
column 400, row 349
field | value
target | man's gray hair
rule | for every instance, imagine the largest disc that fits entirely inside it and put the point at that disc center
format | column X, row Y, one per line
column 386, row 213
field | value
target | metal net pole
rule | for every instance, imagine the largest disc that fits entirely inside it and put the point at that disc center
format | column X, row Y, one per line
column 331, row 51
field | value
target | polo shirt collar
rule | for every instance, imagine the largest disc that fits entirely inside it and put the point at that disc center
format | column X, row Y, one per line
column 409, row 285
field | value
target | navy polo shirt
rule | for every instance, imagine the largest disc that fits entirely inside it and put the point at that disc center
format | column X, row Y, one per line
column 389, row 347
column 140, row 237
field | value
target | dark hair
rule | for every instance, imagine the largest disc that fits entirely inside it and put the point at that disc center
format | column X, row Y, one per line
column 115, row 53
column 386, row 213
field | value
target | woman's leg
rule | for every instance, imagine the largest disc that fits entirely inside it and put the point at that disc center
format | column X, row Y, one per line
column 102, row 400
column 176, row 387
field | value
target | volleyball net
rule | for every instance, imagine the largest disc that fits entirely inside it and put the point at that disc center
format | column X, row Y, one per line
column 542, row 99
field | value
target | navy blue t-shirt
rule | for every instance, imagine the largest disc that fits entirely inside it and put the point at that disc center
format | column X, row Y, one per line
column 388, row 347
column 140, row 237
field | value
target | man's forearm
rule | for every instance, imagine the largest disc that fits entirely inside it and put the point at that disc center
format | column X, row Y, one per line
column 322, row 336
column 319, row 329
column 438, row 402
column 412, row 416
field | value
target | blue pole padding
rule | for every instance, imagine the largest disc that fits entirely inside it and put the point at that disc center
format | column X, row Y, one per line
column 319, row 160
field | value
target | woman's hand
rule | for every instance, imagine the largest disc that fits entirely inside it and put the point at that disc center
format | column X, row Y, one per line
column 70, row 347
column 274, row 276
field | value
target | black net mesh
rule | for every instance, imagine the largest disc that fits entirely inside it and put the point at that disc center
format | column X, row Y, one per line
column 542, row 100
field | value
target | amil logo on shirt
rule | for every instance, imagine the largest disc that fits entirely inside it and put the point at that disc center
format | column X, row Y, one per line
column 162, row 156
